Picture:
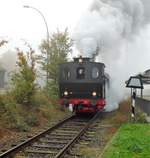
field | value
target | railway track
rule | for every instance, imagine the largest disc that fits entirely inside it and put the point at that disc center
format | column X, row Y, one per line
column 53, row 142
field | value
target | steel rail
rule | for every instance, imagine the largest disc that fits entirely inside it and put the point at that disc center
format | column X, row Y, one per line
column 76, row 138
column 11, row 152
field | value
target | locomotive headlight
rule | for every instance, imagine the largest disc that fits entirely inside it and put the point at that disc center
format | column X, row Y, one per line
column 80, row 60
column 65, row 93
column 94, row 94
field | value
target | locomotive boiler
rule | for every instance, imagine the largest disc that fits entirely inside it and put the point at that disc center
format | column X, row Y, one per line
column 82, row 85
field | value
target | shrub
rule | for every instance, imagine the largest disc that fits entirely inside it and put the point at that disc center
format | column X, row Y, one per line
column 13, row 118
column 51, row 89
column 2, row 105
column 38, row 99
column 46, row 112
column 32, row 120
column 21, row 125
column 140, row 116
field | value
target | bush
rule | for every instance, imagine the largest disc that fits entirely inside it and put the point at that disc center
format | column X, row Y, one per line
column 2, row 105
column 39, row 99
column 21, row 125
column 51, row 89
column 13, row 118
column 32, row 120
column 45, row 113
column 140, row 116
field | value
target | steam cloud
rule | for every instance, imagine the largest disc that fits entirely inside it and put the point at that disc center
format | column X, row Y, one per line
column 8, row 62
column 121, row 31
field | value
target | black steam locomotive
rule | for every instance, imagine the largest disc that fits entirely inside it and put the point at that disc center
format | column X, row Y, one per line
column 82, row 85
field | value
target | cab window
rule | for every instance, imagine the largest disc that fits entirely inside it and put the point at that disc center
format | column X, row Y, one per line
column 80, row 73
column 66, row 73
column 95, row 73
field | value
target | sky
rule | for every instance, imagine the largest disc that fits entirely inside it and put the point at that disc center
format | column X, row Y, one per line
column 18, row 23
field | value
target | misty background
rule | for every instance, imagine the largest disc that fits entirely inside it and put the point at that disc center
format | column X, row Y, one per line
column 120, row 31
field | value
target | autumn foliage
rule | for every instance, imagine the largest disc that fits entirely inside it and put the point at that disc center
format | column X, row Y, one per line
column 23, row 79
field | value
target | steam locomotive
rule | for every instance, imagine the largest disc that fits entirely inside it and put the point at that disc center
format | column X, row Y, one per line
column 82, row 85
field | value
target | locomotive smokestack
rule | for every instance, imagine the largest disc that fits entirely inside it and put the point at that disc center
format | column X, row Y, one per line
column 82, row 59
column 96, row 53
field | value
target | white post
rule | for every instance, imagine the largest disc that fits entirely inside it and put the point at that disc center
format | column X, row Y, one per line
column 133, row 104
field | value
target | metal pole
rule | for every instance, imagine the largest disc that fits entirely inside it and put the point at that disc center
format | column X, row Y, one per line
column 141, row 93
column 133, row 104
column 47, row 34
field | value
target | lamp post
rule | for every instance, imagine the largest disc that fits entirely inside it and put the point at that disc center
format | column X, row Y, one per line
column 47, row 34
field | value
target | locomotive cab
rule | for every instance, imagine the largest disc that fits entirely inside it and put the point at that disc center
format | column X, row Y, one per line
column 82, row 85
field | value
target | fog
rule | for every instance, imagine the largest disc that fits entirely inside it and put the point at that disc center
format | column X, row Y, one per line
column 121, row 31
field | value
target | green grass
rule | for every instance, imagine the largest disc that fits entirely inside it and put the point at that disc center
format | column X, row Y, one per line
column 131, row 141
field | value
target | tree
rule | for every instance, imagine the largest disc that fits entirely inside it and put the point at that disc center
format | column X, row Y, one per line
column 58, row 50
column 23, row 79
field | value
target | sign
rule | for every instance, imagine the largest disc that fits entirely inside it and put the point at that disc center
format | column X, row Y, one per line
column 134, row 82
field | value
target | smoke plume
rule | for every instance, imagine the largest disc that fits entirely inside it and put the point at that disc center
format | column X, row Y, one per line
column 120, row 29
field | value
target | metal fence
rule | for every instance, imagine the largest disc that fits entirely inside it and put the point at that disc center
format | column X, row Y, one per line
column 143, row 104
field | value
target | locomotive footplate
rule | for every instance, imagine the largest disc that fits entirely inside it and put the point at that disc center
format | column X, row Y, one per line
column 84, row 107
column 93, row 102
